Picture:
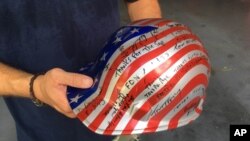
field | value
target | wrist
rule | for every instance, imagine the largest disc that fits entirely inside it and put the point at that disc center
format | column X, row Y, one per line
column 35, row 90
column 20, row 86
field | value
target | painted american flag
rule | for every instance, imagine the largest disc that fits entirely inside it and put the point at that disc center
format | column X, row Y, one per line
column 150, row 76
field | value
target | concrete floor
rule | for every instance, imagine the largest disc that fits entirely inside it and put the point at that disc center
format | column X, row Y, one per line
column 224, row 28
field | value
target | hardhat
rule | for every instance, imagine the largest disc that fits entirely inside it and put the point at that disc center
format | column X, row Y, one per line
column 150, row 76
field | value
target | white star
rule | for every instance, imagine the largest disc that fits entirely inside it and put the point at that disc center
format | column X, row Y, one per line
column 120, row 31
column 104, row 56
column 75, row 99
column 83, row 68
column 118, row 39
column 135, row 30
column 105, row 43
column 95, row 81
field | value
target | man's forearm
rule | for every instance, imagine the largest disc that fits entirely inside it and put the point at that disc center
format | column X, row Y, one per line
column 142, row 9
column 13, row 82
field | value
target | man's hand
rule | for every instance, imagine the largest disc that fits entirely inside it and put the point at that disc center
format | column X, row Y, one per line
column 51, row 88
column 142, row 9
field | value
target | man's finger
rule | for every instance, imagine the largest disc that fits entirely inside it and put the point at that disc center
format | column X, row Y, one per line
column 75, row 79
column 68, row 114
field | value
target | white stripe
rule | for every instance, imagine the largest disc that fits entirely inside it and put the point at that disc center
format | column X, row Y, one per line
column 141, row 98
column 184, row 81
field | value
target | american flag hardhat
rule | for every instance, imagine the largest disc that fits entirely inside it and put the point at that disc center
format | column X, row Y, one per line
column 150, row 76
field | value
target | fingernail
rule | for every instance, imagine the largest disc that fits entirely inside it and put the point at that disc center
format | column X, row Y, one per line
column 88, row 81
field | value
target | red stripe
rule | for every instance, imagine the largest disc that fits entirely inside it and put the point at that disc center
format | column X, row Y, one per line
column 140, row 86
column 128, row 72
column 94, row 103
column 192, row 104
column 175, row 120
column 197, row 110
column 135, row 22
column 154, row 121
column 160, row 24
column 161, row 93
column 148, row 22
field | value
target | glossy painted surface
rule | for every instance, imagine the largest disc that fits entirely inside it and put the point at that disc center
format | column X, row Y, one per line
column 150, row 76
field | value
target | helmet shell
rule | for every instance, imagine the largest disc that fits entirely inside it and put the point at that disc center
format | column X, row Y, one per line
column 150, row 76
